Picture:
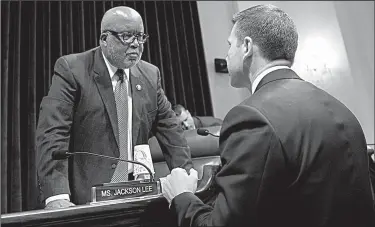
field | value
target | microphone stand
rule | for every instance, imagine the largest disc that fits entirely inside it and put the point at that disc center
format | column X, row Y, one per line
column 120, row 190
column 113, row 158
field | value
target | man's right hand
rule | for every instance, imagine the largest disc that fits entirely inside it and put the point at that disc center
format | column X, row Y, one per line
column 57, row 204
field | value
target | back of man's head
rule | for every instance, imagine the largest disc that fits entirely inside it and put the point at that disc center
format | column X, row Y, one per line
column 271, row 29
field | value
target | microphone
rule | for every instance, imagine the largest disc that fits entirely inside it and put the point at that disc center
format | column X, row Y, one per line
column 63, row 154
column 205, row 132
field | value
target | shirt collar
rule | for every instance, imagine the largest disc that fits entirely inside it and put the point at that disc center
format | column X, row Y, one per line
column 112, row 69
column 263, row 74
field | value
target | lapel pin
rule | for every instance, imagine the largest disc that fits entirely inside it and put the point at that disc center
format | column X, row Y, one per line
column 138, row 87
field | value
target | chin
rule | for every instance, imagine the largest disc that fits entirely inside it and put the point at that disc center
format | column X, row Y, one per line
column 128, row 65
column 131, row 62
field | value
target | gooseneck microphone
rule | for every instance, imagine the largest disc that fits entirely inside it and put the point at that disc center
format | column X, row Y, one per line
column 63, row 154
column 205, row 132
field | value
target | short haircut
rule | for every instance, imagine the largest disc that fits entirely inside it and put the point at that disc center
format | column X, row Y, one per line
column 271, row 29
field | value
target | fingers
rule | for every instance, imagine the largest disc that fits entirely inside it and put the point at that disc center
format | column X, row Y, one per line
column 71, row 204
column 178, row 181
column 193, row 173
column 178, row 171
column 59, row 204
column 165, row 188
column 194, row 178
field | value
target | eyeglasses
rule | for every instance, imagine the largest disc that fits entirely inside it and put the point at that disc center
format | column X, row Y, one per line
column 129, row 38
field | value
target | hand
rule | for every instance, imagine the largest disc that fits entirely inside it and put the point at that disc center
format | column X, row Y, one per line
column 60, row 203
column 179, row 182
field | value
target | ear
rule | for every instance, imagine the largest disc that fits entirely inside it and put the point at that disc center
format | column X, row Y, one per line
column 248, row 47
column 103, row 37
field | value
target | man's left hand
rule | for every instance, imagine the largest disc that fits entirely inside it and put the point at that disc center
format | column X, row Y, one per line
column 177, row 182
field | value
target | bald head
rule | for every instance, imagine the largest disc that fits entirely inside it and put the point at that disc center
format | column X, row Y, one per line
column 121, row 18
column 119, row 24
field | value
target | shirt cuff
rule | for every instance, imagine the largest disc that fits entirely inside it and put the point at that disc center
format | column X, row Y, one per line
column 57, row 197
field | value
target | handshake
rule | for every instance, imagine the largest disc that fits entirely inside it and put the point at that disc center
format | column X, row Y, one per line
column 177, row 182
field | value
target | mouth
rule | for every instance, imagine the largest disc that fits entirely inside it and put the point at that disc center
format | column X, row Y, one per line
column 132, row 54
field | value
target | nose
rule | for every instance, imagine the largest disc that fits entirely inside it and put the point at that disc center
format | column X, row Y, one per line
column 135, row 43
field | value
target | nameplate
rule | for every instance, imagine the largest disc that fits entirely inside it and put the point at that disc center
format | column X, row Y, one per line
column 124, row 190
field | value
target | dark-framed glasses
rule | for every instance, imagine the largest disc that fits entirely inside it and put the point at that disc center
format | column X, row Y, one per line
column 128, row 38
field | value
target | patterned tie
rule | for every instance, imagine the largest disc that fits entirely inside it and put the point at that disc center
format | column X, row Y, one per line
column 121, row 98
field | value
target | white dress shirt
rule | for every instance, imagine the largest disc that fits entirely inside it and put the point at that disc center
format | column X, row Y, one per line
column 263, row 74
column 112, row 70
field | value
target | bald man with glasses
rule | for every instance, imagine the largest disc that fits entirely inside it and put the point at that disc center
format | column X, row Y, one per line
column 105, row 101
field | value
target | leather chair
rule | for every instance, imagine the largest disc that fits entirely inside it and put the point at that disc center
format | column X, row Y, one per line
column 204, row 151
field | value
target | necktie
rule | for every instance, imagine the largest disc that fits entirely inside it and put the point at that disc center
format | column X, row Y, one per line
column 121, row 98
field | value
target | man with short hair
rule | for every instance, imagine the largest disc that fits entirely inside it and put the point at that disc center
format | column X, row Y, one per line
column 189, row 122
column 292, row 155
column 104, row 101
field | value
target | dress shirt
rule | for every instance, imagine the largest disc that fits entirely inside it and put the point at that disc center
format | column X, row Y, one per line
column 263, row 74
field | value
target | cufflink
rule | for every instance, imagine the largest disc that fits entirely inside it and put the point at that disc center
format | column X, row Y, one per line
column 138, row 87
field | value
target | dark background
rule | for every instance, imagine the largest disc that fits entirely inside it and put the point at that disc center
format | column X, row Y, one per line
column 34, row 34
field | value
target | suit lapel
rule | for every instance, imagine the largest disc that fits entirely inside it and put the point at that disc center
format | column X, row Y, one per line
column 105, row 88
column 277, row 75
column 137, row 89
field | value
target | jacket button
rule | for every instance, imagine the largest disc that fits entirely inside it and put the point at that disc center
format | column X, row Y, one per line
column 113, row 166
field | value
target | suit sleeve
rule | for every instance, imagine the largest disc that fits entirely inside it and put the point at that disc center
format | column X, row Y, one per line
column 246, row 142
column 170, row 134
column 53, row 131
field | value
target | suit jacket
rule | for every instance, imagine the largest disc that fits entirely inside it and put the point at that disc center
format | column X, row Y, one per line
column 206, row 121
column 79, row 114
column 292, row 156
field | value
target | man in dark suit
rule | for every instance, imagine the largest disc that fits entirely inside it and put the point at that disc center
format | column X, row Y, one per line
column 193, row 122
column 292, row 155
column 105, row 101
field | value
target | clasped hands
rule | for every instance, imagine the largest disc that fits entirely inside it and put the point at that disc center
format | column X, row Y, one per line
column 177, row 182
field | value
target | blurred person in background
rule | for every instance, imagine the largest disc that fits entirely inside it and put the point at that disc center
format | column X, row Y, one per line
column 193, row 122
